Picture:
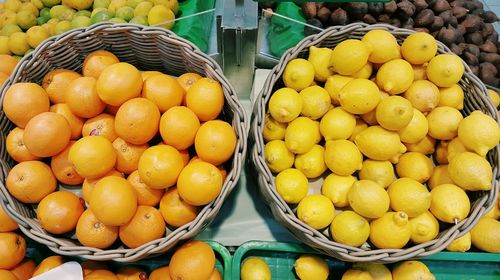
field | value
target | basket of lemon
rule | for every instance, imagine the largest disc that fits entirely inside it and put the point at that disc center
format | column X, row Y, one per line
column 374, row 143
column 120, row 141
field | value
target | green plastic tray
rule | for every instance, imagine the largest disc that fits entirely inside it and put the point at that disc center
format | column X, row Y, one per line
column 195, row 29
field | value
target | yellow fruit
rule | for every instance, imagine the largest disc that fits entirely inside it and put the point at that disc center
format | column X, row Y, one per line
column 444, row 123
column 416, row 130
column 365, row 72
column 320, row 59
column 350, row 56
column 391, row 231
column 315, row 102
column 441, row 154
column 311, row 267
column 423, row 95
column 424, row 227
column 160, row 166
column 4, row 45
column 356, row 274
column 455, row 147
column 419, row 48
column 159, row 14
column 461, row 244
column 255, row 268
column 368, row 199
column 92, row 156
column 384, row 45
column 419, row 72
column 379, row 144
column 445, row 70
column 343, row 157
column 301, row 135
column 36, row 35
column 292, row 185
column 416, row 166
column 334, row 84
column 495, row 97
column 311, row 163
column 395, row 76
column 411, row 270
column 350, row 229
column 18, row 43
column 298, row 74
column 424, row 146
column 278, row 157
column 285, row 105
column 394, row 113
column 336, row 188
column 273, row 130
column 337, row 124
column 439, row 176
column 409, row 196
column 449, row 203
column 484, row 235
column 360, row 126
column 377, row 271
column 359, row 96
column 470, row 172
column 452, row 97
column 316, row 210
column 381, row 172
column 479, row 132
column 199, row 183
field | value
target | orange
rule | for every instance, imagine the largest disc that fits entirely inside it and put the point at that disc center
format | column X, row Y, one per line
column 193, row 260
column 186, row 80
column 159, row 166
column 185, row 156
column 3, row 77
column 47, row 134
column 23, row 101
column 48, row 264
column 215, row 275
column 111, row 109
column 199, row 183
column 127, row 155
column 215, row 142
column 178, row 127
column 89, row 266
column 93, row 233
column 63, row 169
column 96, row 62
column 7, row 224
column 119, row 83
column 7, row 64
column 92, row 156
column 59, row 212
column 89, row 184
column 113, row 201
column 145, row 195
column 131, row 273
column 101, row 125
column 82, row 98
column 176, row 211
column 161, row 273
column 75, row 123
column 101, row 275
column 146, row 74
column 56, row 82
column 206, row 98
column 12, row 250
column 7, row 275
column 164, row 91
column 15, row 146
column 30, row 181
column 147, row 225
column 24, row 270
column 137, row 121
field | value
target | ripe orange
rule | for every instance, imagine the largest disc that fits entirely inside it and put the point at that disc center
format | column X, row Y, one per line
column 89, row 184
column 146, row 74
column 101, row 275
column 221, row 168
column 24, row 270
column 55, row 83
column 113, row 201
column 178, row 127
column 112, row 110
column 23, row 101
column 101, row 125
column 186, row 80
column 89, row 266
column 96, row 62
column 30, row 181
column 48, row 264
column 7, row 64
column 137, row 121
column 7, row 275
column 185, row 156
column 131, row 273
column 59, row 212
column 145, row 195
column 161, row 273
column 176, row 211
column 93, row 233
column 75, row 123
column 199, row 183
column 7, row 224
column 16, row 148
column 127, row 155
column 3, row 77
column 47, row 134
column 92, row 156
column 164, row 91
column 159, row 166
column 82, row 99
column 119, row 83
column 206, row 98
column 215, row 275
column 215, row 142
column 63, row 169
column 147, row 225
column 12, row 250
column 193, row 260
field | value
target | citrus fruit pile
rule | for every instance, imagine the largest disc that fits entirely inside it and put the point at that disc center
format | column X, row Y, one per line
column 7, row 65
column 130, row 141
column 379, row 124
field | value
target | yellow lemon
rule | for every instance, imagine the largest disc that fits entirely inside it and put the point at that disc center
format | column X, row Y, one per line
column 409, row 196
column 424, row 227
column 349, row 56
column 424, row 146
column 278, row 157
column 18, row 43
column 337, row 124
column 370, row 117
column 494, row 212
column 449, row 203
column 365, row 72
column 455, row 147
column 311, row 163
column 311, row 267
column 36, row 35
column 336, row 188
column 395, row 76
column 378, row 143
column 419, row 48
column 419, row 72
column 285, row 105
column 479, row 132
column 444, row 122
column 411, row 270
column 315, row 102
column 343, row 157
column 368, row 199
column 381, row 172
column 273, row 130
column 384, row 45
column 495, row 97
column 439, row 176
column 445, row 70
column 377, row 271
column 333, row 86
column 292, row 185
column 423, row 95
column 356, row 274
column 470, row 172
column 320, row 59
column 159, row 14
column 416, row 130
column 394, row 113
column 255, row 268
column 484, row 235
column 391, row 231
column 452, row 97
column 360, row 126
column 316, row 210
column 301, row 135
column 359, row 96
column 416, row 166
column 441, row 155
column 298, row 74
column 350, row 229
column 461, row 244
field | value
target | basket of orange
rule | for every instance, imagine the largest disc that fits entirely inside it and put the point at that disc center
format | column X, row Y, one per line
column 118, row 141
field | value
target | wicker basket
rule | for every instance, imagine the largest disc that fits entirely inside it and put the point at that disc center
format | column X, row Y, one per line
column 475, row 99
column 148, row 49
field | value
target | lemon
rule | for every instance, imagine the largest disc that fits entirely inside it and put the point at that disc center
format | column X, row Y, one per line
column 494, row 97
column 18, row 43
column 142, row 9
column 449, row 204
column 336, row 187
column 315, row 102
column 370, row 117
column 395, row 76
column 455, row 147
column 452, row 97
column 423, row 95
column 30, row 7
column 494, row 213
column 365, row 72
column 424, row 227
column 424, row 146
column 441, row 154
column 409, row 196
column 36, row 35
column 298, row 74
column 343, row 157
column 356, row 274
column 368, row 199
column 350, row 229
column 359, row 96
column 273, row 130
column 411, row 270
column 377, row 271
column 484, row 235
column 292, row 185
column 285, row 105
column 278, row 157
column 25, row 19
column 419, row 48
column 10, row 29
column 416, row 166
column 333, row 86
column 62, row 27
column 13, row 5
column 255, row 268
column 301, row 135
column 391, row 231
column 445, row 70
column 320, row 59
column 311, row 267
column 378, row 143
column 337, row 124
column 312, row 163
column 439, row 176
column 461, row 244
column 394, row 113
column 316, row 210
column 4, row 45
column 157, row 15
column 381, row 172
column 350, row 56
column 419, row 72
column 384, row 45
column 360, row 126
column 444, row 122
column 416, row 130
column 471, row 172
column 479, row 132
